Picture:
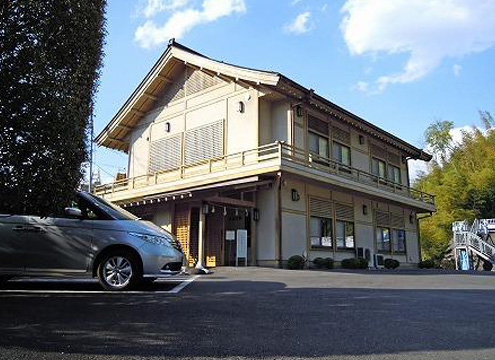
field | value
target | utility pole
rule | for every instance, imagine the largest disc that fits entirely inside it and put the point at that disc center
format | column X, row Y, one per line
column 91, row 125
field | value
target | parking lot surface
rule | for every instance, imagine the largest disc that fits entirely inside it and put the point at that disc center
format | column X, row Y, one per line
column 256, row 313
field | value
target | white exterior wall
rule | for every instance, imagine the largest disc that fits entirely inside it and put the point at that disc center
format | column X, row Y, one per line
column 265, row 226
column 219, row 102
column 295, row 223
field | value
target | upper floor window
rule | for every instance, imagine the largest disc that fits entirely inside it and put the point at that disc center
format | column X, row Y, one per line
column 378, row 168
column 318, row 144
column 341, row 153
column 394, row 174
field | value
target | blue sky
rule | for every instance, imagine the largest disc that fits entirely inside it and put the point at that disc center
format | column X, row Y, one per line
column 400, row 64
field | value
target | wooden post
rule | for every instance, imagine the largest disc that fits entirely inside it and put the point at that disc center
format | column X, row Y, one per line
column 201, row 239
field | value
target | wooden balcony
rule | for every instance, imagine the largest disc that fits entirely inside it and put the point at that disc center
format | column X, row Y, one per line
column 265, row 159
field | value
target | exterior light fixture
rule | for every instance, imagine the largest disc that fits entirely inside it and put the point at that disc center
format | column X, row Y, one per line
column 241, row 107
column 295, row 195
column 365, row 209
column 361, row 139
column 212, row 209
column 299, row 111
column 167, row 127
column 411, row 218
column 205, row 209
column 224, row 211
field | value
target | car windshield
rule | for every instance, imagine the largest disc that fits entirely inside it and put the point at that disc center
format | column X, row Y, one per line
column 115, row 211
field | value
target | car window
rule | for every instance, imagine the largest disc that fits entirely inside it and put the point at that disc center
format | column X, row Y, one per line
column 91, row 212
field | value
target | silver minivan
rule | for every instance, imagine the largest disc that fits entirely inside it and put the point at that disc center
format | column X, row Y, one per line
column 92, row 238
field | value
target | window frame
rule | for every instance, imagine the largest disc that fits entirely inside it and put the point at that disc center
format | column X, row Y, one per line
column 379, row 250
column 395, row 238
column 345, row 248
column 339, row 160
column 322, row 232
column 319, row 135
column 394, row 167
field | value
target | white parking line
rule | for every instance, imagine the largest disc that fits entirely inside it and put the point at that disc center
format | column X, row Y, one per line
column 175, row 290
column 182, row 285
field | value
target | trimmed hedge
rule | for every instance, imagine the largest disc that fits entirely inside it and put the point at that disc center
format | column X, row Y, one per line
column 295, row 262
column 354, row 263
column 323, row 263
column 391, row 264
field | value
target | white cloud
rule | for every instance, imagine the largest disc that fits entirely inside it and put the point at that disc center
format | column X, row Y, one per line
column 416, row 167
column 362, row 86
column 295, row 2
column 150, row 8
column 456, row 69
column 428, row 30
column 180, row 22
column 300, row 24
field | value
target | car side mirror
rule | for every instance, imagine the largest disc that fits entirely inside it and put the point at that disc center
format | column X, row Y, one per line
column 73, row 212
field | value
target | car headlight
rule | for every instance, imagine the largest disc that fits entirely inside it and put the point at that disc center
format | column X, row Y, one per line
column 153, row 239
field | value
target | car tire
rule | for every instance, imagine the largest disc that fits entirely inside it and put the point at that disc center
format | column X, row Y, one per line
column 119, row 271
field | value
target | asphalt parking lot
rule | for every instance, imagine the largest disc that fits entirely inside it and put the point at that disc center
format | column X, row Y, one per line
column 255, row 313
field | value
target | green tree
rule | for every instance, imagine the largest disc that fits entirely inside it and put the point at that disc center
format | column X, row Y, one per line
column 464, row 182
column 50, row 60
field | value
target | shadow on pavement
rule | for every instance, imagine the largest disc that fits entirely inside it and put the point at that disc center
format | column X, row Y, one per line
column 218, row 318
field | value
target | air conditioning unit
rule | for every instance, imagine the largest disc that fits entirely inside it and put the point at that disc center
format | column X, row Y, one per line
column 364, row 253
column 379, row 260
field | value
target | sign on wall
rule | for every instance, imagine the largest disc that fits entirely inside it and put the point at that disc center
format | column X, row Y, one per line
column 241, row 246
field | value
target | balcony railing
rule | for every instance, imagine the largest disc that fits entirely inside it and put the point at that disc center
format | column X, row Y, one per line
column 278, row 153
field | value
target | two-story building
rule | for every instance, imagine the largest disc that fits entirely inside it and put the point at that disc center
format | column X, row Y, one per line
column 247, row 166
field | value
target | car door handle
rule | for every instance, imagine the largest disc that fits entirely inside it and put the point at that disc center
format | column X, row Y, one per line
column 34, row 229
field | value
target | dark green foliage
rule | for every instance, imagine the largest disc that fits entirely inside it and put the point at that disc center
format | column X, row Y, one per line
column 50, row 60
column 323, row 263
column 327, row 263
column 426, row 264
column 354, row 263
column 462, row 179
column 487, row 266
column 318, row 262
column 295, row 262
column 391, row 264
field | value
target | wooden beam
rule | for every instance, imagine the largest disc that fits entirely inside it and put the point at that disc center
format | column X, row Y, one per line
column 229, row 201
column 164, row 78
column 125, row 127
column 152, row 97
column 138, row 112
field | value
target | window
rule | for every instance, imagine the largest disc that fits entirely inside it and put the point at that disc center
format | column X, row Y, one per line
column 399, row 241
column 342, row 153
column 378, row 167
column 320, row 230
column 383, row 239
column 318, row 144
column 394, row 174
column 344, row 234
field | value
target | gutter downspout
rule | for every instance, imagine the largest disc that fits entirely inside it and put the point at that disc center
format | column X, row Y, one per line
column 278, row 224
column 419, row 232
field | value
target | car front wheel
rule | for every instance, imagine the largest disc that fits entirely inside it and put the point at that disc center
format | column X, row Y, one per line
column 119, row 271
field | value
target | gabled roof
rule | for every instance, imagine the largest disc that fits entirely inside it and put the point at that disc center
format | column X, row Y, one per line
column 148, row 91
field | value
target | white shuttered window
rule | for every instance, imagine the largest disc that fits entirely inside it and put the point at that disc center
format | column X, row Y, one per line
column 165, row 154
column 203, row 143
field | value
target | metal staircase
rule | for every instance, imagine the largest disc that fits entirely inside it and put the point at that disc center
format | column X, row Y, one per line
column 474, row 240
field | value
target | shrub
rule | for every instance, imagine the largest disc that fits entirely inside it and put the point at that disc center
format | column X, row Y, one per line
column 327, row 263
column 391, row 264
column 354, row 263
column 447, row 264
column 295, row 262
column 318, row 262
column 426, row 264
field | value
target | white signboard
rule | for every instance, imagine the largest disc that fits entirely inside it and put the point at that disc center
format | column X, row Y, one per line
column 230, row 235
column 241, row 245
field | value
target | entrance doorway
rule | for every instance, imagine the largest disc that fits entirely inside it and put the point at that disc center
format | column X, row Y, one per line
column 228, row 236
